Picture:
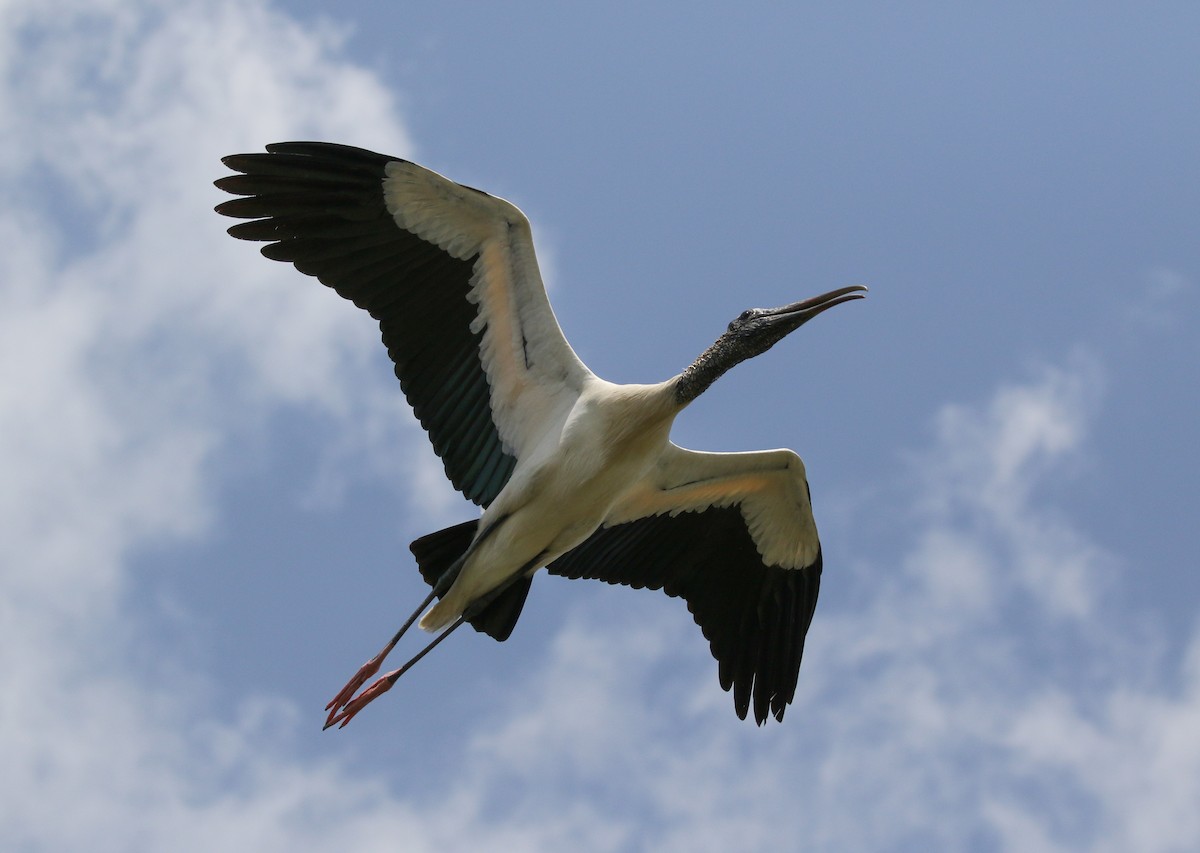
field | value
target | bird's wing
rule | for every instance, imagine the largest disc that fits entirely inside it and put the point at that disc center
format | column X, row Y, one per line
column 450, row 274
column 733, row 535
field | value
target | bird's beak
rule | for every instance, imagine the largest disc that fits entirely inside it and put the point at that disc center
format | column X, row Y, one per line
column 798, row 313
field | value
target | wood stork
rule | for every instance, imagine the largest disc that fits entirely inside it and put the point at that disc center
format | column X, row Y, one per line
column 574, row 474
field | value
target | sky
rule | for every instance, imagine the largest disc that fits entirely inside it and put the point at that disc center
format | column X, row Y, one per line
column 209, row 477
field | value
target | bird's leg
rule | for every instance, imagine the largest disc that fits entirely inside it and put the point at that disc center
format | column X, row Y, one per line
column 372, row 666
column 385, row 682
column 343, row 715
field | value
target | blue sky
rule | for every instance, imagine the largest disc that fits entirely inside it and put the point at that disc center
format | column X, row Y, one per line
column 210, row 478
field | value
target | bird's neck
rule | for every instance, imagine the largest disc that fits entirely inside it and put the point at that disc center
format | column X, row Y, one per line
column 710, row 366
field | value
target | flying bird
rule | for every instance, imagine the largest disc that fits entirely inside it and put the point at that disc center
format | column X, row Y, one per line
column 573, row 474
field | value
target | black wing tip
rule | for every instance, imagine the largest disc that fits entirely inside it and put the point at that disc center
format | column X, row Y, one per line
column 766, row 706
column 304, row 146
column 290, row 157
column 316, row 149
column 760, row 717
column 297, row 180
column 755, row 616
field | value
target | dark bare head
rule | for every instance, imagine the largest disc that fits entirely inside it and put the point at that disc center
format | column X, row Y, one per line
column 752, row 333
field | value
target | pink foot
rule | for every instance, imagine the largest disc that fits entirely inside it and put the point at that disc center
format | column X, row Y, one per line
column 346, row 714
column 347, row 693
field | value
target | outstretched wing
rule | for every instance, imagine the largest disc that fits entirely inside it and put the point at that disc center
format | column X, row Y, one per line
column 450, row 274
column 733, row 535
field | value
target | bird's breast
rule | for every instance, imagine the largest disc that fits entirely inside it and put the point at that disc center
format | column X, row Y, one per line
column 566, row 487
column 604, row 447
column 609, row 441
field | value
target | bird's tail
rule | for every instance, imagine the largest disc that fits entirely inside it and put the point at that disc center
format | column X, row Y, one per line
column 436, row 552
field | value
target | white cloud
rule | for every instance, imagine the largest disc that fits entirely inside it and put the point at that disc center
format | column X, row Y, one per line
column 982, row 689
column 1024, row 428
column 127, row 359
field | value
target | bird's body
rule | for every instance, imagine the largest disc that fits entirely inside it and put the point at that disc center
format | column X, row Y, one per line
column 574, row 473
column 586, row 462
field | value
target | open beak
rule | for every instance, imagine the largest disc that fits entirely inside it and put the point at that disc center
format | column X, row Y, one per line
column 799, row 313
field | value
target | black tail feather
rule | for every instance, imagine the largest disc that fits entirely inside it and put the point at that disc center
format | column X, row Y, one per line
column 437, row 551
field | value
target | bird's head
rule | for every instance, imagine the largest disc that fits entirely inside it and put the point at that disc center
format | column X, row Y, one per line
column 756, row 330
column 752, row 333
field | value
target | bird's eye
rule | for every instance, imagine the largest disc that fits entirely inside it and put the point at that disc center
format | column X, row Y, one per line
column 741, row 319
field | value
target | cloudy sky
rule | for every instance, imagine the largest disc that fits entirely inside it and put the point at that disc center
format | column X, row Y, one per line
column 208, row 477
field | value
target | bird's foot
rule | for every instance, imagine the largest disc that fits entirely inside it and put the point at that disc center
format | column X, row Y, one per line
column 347, row 693
column 345, row 714
column 345, row 705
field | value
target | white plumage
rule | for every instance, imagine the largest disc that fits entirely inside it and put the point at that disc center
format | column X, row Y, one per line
column 575, row 474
